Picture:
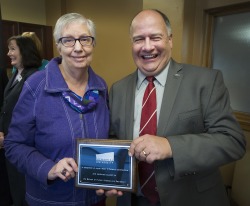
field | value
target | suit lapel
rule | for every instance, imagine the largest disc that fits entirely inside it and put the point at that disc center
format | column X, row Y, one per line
column 130, row 99
column 9, row 86
column 171, row 89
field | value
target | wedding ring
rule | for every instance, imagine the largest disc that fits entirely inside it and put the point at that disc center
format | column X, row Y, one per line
column 144, row 153
column 63, row 172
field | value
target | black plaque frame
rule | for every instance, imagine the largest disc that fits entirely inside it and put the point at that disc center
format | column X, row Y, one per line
column 105, row 164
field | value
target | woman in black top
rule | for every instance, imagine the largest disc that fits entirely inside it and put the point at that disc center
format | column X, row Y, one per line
column 26, row 58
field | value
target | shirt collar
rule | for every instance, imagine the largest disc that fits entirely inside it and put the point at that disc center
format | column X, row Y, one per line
column 161, row 77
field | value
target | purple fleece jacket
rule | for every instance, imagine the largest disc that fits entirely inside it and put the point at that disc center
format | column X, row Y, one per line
column 43, row 131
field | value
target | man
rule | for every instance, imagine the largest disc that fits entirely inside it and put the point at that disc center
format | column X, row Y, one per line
column 196, row 130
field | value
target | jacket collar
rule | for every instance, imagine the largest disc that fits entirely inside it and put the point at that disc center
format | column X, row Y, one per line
column 56, row 83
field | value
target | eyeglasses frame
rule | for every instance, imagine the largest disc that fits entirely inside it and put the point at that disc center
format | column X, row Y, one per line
column 93, row 40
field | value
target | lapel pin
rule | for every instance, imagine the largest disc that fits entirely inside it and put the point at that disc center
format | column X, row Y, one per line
column 176, row 75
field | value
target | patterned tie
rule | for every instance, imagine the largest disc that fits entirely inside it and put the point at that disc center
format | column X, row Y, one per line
column 148, row 126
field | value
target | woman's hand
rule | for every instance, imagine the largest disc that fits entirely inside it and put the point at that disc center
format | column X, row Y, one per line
column 65, row 169
column 1, row 139
column 109, row 193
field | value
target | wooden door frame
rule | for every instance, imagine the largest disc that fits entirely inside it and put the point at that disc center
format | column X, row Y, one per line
column 209, row 18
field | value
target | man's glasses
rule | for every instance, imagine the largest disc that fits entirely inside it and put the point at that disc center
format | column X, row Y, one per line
column 70, row 41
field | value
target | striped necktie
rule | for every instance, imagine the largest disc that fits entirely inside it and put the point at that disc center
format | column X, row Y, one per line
column 148, row 125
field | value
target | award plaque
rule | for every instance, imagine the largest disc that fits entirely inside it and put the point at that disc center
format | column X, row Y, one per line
column 105, row 164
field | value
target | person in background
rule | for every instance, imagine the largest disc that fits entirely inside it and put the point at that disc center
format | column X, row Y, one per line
column 5, row 196
column 195, row 129
column 65, row 101
column 3, row 82
column 38, row 43
column 26, row 59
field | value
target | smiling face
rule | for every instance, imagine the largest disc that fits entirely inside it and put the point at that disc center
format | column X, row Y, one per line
column 78, row 56
column 151, row 45
column 15, row 54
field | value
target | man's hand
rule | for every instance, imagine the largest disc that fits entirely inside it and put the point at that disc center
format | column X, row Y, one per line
column 149, row 148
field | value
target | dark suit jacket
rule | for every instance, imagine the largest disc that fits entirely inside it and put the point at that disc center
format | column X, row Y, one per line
column 3, row 82
column 11, row 95
column 197, row 119
column 4, row 182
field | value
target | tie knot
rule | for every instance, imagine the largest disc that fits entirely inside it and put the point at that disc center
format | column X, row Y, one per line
column 150, row 78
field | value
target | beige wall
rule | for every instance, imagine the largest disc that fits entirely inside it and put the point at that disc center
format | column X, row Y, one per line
column 174, row 10
column 112, row 57
column 28, row 11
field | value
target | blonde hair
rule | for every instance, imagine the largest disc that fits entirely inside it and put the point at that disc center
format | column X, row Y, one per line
column 36, row 40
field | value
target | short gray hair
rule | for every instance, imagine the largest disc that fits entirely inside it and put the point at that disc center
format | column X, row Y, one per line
column 69, row 18
column 166, row 20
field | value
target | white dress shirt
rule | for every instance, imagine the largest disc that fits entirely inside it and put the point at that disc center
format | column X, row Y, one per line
column 160, row 81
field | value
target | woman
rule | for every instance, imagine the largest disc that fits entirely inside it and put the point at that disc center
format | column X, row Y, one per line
column 5, row 195
column 38, row 44
column 65, row 101
column 26, row 58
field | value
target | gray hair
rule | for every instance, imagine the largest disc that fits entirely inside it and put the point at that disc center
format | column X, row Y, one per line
column 69, row 18
column 166, row 20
